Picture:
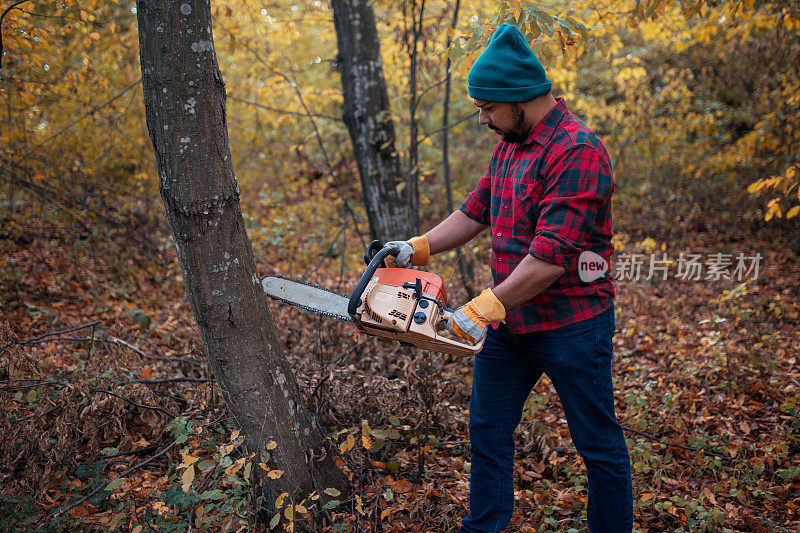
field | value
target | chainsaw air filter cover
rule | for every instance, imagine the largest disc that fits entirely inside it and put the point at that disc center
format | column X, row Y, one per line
column 390, row 305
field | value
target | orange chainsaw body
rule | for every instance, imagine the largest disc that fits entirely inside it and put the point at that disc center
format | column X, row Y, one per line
column 431, row 283
column 409, row 306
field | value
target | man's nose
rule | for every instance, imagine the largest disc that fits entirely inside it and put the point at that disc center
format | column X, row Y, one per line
column 482, row 118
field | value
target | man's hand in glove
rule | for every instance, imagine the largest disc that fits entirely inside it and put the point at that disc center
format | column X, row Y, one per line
column 470, row 321
column 415, row 251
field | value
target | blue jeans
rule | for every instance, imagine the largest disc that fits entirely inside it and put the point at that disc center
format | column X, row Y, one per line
column 577, row 359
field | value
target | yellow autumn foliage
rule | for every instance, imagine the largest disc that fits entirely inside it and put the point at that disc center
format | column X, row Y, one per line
column 698, row 103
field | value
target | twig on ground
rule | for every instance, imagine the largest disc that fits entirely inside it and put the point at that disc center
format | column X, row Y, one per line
column 95, row 430
column 125, row 473
column 33, row 340
column 132, row 452
column 153, row 407
column 52, row 410
column 125, row 343
column 334, row 363
column 172, row 380
column 141, row 352
column 14, row 384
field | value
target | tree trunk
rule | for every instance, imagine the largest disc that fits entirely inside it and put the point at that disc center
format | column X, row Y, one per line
column 184, row 99
column 413, row 148
column 369, row 121
column 465, row 265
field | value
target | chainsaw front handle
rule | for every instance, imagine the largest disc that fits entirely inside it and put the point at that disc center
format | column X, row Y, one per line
column 373, row 248
column 375, row 262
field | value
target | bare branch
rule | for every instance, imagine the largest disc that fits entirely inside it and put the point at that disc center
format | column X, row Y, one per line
column 12, row 6
column 172, row 380
column 71, row 124
column 49, row 334
column 125, row 473
column 424, row 91
column 282, row 111
column 139, row 405
column 459, row 121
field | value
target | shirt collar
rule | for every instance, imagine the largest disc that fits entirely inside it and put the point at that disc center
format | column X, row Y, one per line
column 547, row 126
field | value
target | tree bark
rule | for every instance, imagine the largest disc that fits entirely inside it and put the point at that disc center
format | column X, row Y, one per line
column 184, row 97
column 368, row 118
column 465, row 266
column 413, row 148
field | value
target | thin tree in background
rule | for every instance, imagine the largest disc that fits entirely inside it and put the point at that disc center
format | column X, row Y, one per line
column 465, row 266
column 417, row 18
column 367, row 115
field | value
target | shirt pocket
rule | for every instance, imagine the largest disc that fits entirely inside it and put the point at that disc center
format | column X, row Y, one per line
column 525, row 199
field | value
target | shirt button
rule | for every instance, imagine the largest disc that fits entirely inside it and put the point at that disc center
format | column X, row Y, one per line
column 498, row 234
column 505, row 207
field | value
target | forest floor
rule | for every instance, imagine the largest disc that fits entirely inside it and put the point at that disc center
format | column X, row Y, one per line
column 101, row 371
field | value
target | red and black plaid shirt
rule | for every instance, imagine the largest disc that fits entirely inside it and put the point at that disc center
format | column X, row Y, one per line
column 549, row 197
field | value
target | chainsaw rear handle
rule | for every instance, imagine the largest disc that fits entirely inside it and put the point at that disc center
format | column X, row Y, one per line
column 447, row 315
column 377, row 253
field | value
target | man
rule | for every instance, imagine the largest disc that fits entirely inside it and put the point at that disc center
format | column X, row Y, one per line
column 546, row 196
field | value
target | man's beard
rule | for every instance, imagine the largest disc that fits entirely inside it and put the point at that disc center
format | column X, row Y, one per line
column 515, row 134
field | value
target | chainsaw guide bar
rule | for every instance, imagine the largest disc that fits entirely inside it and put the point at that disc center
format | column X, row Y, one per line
column 307, row 296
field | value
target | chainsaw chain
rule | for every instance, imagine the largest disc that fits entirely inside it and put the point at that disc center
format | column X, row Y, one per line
column 313, row 310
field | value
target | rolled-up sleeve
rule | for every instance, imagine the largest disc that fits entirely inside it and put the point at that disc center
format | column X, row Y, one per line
column 476, row 205
column 578, row 183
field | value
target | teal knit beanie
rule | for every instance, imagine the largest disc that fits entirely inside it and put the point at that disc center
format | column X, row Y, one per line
column 507, row 71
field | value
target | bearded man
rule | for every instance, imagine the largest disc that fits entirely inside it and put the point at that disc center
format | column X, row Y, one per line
column 546, row 197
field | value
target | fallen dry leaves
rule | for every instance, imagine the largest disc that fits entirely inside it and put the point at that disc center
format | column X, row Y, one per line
column 709, row 403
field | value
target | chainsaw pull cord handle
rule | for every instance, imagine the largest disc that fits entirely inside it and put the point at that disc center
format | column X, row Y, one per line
column 375, row 262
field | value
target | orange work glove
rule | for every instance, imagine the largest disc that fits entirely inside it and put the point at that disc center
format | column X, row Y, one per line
column 470, row 321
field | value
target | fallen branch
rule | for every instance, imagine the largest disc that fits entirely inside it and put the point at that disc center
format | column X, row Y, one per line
column 52, row 410
column 125, row 473
column 186, row 360
column 142, row 406
column 128, row 345
column 132, row 452
column 172, row 380
column 33, row 340
column 27, row 382
column 83, row 436
column 141, row 352
column 109, row 340
column 30, row 385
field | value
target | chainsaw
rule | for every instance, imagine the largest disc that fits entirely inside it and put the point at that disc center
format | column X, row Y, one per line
column 402, row 304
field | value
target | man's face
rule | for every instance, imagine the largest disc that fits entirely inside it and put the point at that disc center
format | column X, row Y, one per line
column 507, row 120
